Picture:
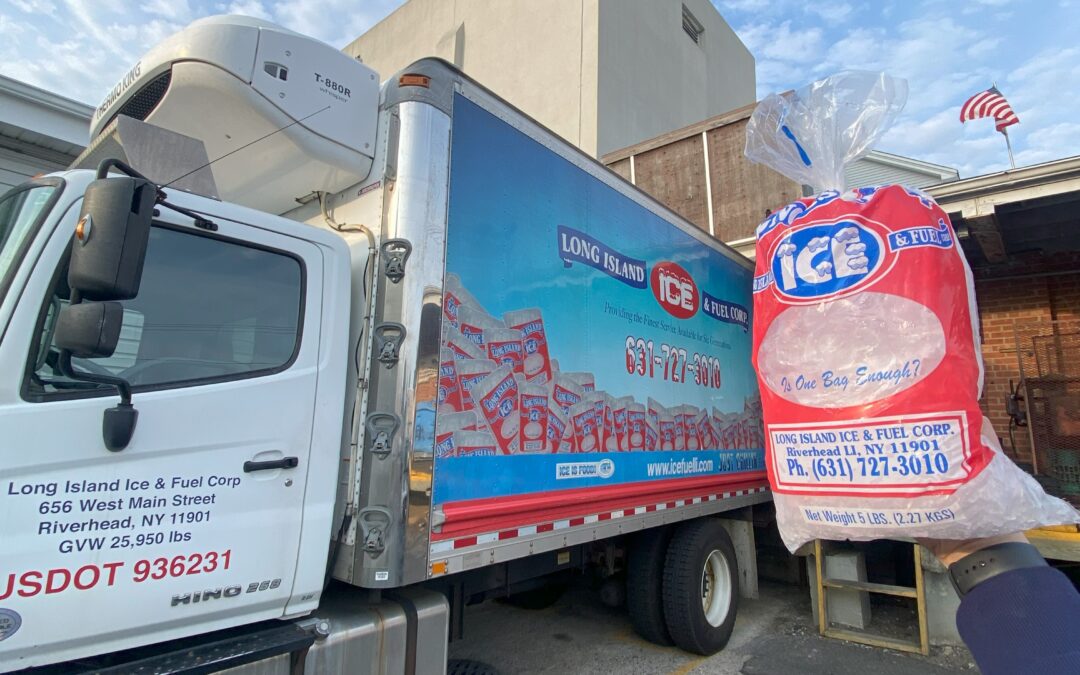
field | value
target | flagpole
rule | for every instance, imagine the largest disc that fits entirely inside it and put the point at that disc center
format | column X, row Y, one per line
column 1008, row 144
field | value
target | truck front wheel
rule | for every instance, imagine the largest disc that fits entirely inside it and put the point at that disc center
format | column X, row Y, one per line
column 701, row 586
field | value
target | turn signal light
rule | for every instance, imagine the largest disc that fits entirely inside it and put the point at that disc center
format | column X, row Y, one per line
column 82, row 229
column 413, row 80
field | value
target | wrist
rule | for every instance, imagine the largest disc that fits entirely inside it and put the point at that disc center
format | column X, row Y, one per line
column 986, row 563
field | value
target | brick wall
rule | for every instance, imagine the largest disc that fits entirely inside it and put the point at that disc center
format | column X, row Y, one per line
column 1028, row 302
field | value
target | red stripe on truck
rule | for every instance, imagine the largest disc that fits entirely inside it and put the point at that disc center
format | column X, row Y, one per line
column 505, row 513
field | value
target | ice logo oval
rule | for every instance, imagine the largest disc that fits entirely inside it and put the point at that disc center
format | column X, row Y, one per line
column 824, row 260
column 606, row 468
column 674, row 289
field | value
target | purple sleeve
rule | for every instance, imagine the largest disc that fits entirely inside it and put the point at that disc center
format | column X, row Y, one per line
column 1023, row 621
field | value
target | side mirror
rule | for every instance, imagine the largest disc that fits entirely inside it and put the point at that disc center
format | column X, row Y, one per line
column 106, row 265
column 90, row 329
column 111, row 236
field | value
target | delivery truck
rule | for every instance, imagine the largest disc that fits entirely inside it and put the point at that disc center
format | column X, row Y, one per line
column 296, row 363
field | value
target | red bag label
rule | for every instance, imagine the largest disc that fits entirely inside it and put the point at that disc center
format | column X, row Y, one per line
column 497, row 400
column 865, row 347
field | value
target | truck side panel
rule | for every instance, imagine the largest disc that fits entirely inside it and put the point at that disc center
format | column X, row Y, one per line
column 584, row 350
column 589, row 305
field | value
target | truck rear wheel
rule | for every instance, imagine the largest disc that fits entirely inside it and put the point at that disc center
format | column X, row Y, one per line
column 701, row 586
column 644, row 584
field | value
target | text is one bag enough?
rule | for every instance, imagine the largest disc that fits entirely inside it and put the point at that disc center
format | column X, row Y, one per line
column 867, row 351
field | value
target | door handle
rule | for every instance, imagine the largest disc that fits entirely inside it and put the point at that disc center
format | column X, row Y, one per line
column 283, row 463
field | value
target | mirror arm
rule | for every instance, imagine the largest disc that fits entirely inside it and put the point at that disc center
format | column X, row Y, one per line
column 117, row 423
column 120, row 383
column 111, row 162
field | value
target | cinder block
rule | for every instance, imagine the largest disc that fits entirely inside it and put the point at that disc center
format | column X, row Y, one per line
column 941, row 602
column 846, row 607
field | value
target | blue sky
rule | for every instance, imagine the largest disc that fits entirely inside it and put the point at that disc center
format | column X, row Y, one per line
column 947, row 49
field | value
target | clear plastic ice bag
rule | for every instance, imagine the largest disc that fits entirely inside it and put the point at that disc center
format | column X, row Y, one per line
column 810, row 135
column 866, row 343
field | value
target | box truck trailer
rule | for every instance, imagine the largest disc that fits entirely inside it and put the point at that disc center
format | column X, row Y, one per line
column 295, row 364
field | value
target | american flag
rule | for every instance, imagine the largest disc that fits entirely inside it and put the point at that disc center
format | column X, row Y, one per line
column 989, row 103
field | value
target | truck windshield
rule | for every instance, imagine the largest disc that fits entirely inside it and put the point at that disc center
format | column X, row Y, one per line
column 20, row 212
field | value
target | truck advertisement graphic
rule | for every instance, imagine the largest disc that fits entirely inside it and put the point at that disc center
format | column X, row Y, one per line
column 587, row 342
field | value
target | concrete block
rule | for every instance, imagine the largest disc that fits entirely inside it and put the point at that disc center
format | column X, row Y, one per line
column 941, row 602
column 846, row 607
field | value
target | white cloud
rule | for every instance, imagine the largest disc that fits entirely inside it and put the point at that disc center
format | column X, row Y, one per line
column 46, row 7
column 829, row 11
column 984, row 47
column 249, row 8
column 781, row 42
column 174, row 10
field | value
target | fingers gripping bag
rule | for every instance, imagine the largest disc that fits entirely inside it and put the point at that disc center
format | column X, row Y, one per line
column 866, row 343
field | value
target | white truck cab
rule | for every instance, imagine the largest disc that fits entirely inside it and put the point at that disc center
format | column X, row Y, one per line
column 235, row 350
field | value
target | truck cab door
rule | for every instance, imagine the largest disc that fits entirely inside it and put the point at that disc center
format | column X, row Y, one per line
column 197, row 523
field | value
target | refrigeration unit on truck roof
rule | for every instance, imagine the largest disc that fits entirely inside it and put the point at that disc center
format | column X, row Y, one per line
column 308, row 111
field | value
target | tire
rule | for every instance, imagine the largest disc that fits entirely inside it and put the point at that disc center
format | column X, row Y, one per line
column 644, row 585
column 701, row 570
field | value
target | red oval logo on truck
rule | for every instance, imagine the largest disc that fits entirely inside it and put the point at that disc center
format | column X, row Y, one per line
column 675, row 290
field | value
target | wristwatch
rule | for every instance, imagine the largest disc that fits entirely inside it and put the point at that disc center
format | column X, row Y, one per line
column 977, row 567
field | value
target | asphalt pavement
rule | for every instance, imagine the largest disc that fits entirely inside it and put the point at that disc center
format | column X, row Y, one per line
column 773, row 635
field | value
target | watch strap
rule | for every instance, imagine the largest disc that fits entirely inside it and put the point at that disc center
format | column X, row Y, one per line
column 977, row 567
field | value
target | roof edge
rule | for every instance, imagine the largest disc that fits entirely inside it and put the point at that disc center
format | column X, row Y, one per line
column 43, row 97
column 1037, row 174
column 723, row 119
column 904, row 162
